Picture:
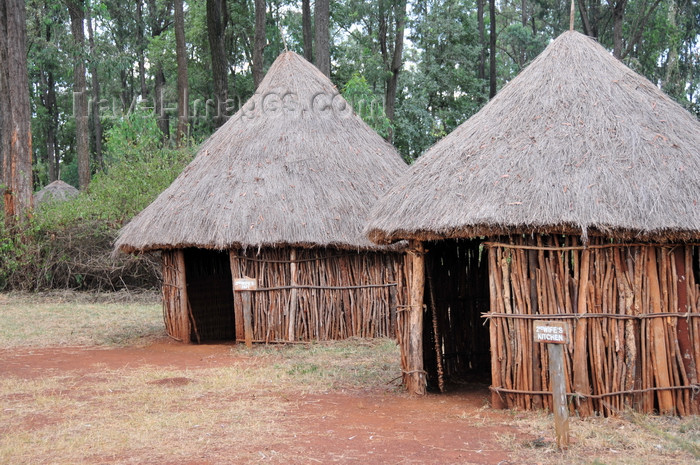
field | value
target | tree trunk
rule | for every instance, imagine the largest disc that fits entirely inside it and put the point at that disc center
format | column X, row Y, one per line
column 158, row 89
column 158, row 25
column 618, row 13
column 492, row 49
column 672, row 83
column 481, row 71
column 95, row 113
column 258, row 42
column 182, row 86
column 52, row 127
column 322, row 25
column 306, row 30
column 48, row 100
column 141, row 48
column 16, row 137
column 76, row 10
column 216, row 25
column 396, row 63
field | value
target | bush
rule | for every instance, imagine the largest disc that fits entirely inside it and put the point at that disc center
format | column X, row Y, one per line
column 69, row 244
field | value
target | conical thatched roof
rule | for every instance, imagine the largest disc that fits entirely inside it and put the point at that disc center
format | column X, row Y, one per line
column 576, row 143
column 295, row 166
column 58, row 191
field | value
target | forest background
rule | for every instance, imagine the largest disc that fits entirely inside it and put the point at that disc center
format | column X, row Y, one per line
column 121, row 93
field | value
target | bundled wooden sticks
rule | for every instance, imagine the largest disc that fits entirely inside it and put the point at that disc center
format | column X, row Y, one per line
column 633, row 311
column 322, row 294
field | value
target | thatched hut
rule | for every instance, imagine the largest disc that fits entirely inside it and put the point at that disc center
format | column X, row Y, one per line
column 57, row 191
column 279, row 193
column 572, row 196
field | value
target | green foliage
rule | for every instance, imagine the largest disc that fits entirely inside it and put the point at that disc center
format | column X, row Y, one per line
column 69, row 244
column 138, row 168
column 366, row 104
column 16, row 249
column 134, row 137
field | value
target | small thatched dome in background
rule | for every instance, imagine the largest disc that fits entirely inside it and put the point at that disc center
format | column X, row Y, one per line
column 57, row 191
column 576, row 143
column 295, row 166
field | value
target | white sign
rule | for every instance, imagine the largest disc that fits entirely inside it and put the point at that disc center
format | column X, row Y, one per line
column 245, row 284
column 551, row 332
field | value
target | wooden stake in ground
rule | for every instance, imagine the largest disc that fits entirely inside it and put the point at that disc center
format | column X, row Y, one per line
column 415, row 381
column 658, row 338
column 245, row 286
column 581, row 383
column 555, row 335
column 293, row 297
column 184, row 323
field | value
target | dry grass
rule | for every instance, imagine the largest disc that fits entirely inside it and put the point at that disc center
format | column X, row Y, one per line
column 631, row 439
column 243, row 412
column 72, row 318
column 231, row 414
column 144, row 414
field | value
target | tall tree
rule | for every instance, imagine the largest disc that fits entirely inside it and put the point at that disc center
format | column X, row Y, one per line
column 322, row 33
column 258, row 42
column 76, row 10
column 141, row 47
column 47, row 79
column 159, row 22
column 482, row 38
column 15, row 122
column 394, row 61
column 492, row 49
column 590, row 15
column 182, row 84
column 95, row 119
column 618, row 13
column 217, row 17
column 306, row 28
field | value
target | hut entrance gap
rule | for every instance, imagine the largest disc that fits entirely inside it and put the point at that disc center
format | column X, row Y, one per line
column 456, row 340
column 210, row 294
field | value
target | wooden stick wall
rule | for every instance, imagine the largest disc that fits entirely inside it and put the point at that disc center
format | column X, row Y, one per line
column 175, row 303
column 333, row 295
column 632, row 311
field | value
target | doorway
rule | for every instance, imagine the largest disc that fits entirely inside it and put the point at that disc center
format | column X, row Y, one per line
column 210, row 295
column 456, row 337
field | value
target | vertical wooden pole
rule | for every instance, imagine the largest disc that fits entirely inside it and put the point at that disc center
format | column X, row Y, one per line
column 416, row 381
column 183, row 309
column 494, row 330
column 658, row 337
column 684, row 341
column 560, row 408
column 293, row 296
column 537, row 403
column 581, row 379
column 437, row 335
column 247, row 318
column 237, row 300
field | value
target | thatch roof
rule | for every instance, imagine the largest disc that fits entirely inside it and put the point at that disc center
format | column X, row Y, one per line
column 295, row 166
column 576, row 143
column 57, row 191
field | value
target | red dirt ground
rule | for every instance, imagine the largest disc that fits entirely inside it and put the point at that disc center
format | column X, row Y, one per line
column 365, row 427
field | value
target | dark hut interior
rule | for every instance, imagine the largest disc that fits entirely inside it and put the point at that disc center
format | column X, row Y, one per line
column 456, row 341
column 210, row 293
